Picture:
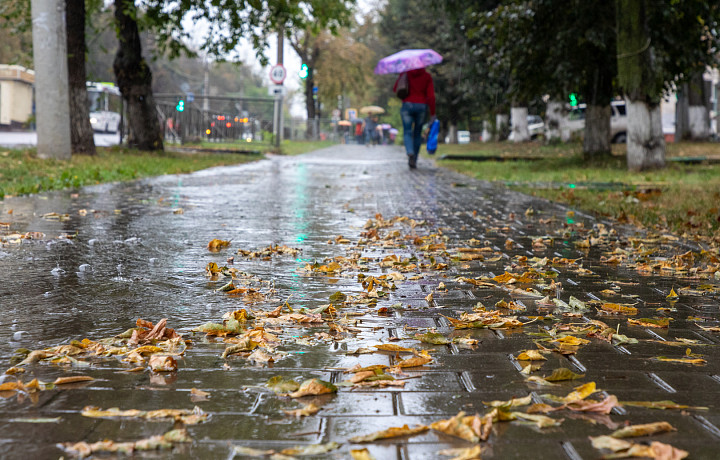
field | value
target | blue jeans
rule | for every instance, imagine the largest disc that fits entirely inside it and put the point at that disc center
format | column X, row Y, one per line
column 413, row 117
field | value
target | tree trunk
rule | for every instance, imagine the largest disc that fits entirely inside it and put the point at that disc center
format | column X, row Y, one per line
column 501, row 124
column 310, row 106
column 518, row 120
column 637, row 75
column 52, row 107
column 698, row 115
column 682, row 130
column 646, row 143
column 81, row 132
column 554, row 120
column 597, row 130
column 135, row 81
column 452, row 133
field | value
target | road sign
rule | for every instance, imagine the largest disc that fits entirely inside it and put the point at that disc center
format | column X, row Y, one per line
column 276, row 90
column 278, row 74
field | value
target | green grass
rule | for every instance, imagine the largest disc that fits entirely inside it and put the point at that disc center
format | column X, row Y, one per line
column 299, row 147
column 681, row 198
column 22, row 173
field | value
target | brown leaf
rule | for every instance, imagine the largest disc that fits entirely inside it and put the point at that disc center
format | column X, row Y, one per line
column 391, row 432
column 314, row 387
column 163, row 363
column 647, row 429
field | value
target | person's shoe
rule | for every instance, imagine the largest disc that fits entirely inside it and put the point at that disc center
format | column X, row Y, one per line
column 412, row 161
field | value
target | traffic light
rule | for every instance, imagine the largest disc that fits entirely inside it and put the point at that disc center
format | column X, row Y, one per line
column 180, row 106
column 304, row 71
column 573, row 100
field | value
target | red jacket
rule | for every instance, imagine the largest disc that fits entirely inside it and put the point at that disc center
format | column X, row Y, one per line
column 422, row 90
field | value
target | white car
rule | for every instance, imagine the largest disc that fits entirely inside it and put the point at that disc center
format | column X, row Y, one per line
column 618, row 121
column 536, row 127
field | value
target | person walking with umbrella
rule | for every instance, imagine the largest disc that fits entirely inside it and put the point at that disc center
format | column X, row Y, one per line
column 419, row 97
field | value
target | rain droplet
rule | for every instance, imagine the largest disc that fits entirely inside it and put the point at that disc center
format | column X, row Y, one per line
column 57, row 271
column 19, row 335
column 84, row 267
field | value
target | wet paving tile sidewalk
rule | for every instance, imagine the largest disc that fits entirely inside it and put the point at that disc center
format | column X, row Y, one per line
column 492, row 272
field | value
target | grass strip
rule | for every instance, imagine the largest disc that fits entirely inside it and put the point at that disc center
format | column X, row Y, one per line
column 681, row 198
column 22, row 173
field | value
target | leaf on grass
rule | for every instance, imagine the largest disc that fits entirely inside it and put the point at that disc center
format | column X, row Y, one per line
column 662, row 405
column 314, row 387
column 562, row 374
column 514, row 402
column 392, row 432
column 73, row 379
column 646, row 429
column 310, row 409
column 531, row 355
column 467, row 453
column 472, row 428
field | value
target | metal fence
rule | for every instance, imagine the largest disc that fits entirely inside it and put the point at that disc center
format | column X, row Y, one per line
column 246, row 123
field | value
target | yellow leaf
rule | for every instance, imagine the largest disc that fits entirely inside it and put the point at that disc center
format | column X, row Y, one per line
column 391, row 432
column 581, row 392
column 515, row 402
column 216, row 245
column 619, row 309
column 467, row 453
column 471, row 428
column 361, row 454
column 314, row 387
column 394, row 348
column 73, row 379
column 571, row 340
column 673, row 294
column 531, row 355
column 647, row 429
column 414, row 362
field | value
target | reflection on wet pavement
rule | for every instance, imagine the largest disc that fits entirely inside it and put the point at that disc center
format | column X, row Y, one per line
column 104, row 256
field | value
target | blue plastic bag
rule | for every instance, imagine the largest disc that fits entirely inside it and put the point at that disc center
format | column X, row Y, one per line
column 432, row 139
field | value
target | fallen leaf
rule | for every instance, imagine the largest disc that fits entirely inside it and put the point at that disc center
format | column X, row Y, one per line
column 599, row 407
column 216, row 245
column 279, row 384
column 647, row 429
column 514, row 402
column 414, row 362
column 361, row 454
column 162, row 363
column 314, row 387
column 395, row 348
column 562, row 374
column 312, row 449
column 73, row 379
column 310, row 409
column 391, row 432
column 198, row 395
column 662, row 405
column 467, row 453
column 472, row 428
column 531, row 355
column 433, row 338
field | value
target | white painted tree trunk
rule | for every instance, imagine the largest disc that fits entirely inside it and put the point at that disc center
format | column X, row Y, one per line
column 52, row 99
column 698, row 123
column 501, row 124
column 486, row 135
column 518, row 120
column 645, row 142
column 554, row 120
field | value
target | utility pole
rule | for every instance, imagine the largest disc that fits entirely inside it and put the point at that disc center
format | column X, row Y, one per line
column 52, row 99
column 279, row 97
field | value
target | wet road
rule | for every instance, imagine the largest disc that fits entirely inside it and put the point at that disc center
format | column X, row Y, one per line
column 121, row 252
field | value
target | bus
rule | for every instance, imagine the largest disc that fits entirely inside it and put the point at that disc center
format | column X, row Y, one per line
column 105, row 107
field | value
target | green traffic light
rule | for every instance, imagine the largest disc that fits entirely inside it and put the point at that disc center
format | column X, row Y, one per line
column 180, row 106
column 304, row 71
column 573, row 100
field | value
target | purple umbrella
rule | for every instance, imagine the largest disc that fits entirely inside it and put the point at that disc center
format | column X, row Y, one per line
column 407, row 60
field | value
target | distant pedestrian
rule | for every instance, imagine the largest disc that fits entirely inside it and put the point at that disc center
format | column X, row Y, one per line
column 420, row 99
column 359, row 132
column 370, row 133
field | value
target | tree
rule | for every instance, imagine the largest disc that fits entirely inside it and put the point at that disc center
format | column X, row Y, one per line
column 659, row 47
column 134, row 79
column 81, row 132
